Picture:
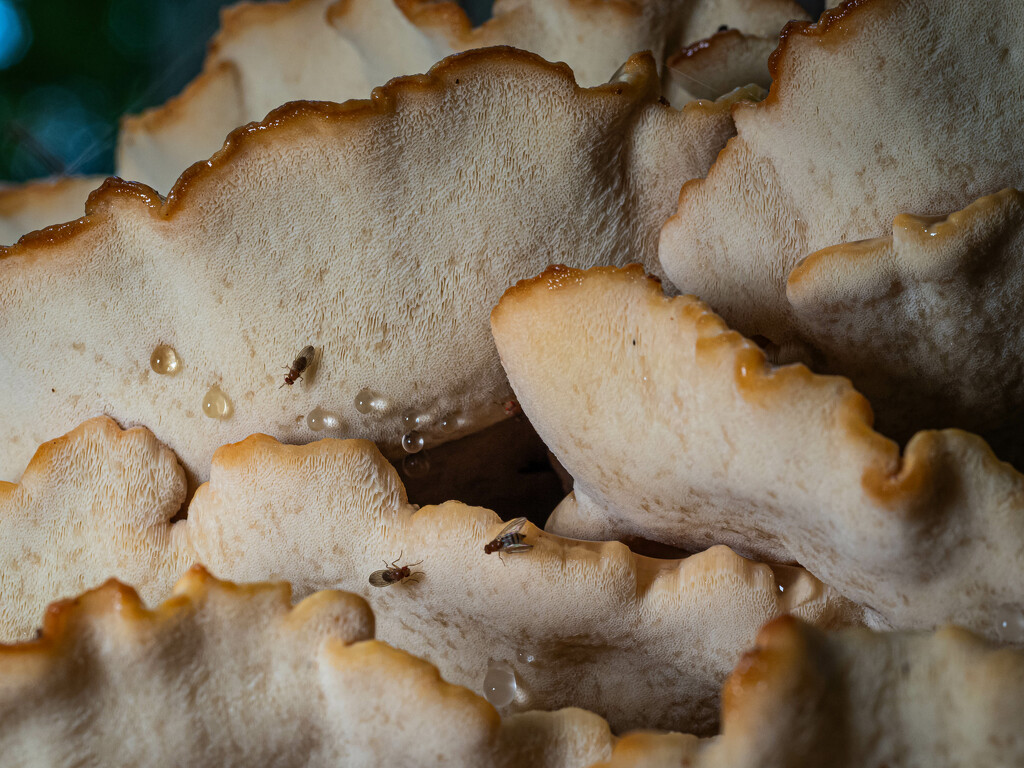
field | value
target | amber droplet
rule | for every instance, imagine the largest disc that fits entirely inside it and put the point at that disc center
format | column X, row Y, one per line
column 164, row 360
column 217, row 405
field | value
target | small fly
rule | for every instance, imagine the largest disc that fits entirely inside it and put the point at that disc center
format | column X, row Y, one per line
column 394, row 573
column 509, row 540
column 299, row 364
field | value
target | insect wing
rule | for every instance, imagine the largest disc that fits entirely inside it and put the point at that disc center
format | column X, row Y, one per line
column 512, row 548
column 382, row 578
column 514, row 526
column 305, row 357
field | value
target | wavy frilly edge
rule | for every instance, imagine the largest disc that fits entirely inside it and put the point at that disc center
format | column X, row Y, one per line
column 931, row 310
column 676, row 428
column 37, row 204
column 823, row 160
column 855, row 698
column 234, row 675
column 231, row 675
column 712, row 67
column 265, row 55
column 246, row 262
column 331, row 50
column 642, row 642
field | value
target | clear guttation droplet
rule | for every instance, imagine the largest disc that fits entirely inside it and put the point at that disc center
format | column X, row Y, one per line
column 451, row 422
column 318, row 419
column 500, row 684
column 1010, row 629
column 217, row 405
column 525, row 657
column 412, row 442
column 622, row 76
column 164, row 360
column 416, row 465
column 368, row 401
column 414, row 419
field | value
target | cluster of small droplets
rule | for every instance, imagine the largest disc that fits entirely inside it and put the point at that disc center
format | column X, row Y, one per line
column 500, row 684
column 412, row 442
column 164, row 360
column 416, row 465
column 217, row 405
column 318, row 420
column 368, row 401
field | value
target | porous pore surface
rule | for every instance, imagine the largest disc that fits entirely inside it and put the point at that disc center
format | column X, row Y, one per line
column 381, row 232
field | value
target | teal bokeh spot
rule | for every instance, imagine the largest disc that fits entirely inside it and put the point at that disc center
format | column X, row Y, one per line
column 15, row 34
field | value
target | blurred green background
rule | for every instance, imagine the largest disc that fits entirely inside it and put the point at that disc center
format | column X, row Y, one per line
column 70, row 68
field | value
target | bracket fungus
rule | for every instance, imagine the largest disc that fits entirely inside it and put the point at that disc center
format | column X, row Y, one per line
column 226, row 675
column 234, row 675
column 900, row 315
column 855, row 698
column 712, row 67
column 38, row 204
column 642, row 642
column 882, row 108
column 331, row 50
column 382, row 253
column 676, row 429
column 268, row 54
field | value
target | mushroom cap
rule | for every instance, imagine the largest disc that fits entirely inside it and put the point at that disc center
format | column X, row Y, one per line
column 880, row 109
column 226, row 675
column 37, row 204
column 411, row 214
column 676, row 429
column 268, row 54
column 855, row 698
column 643, row 642
column 931, row 310
column 714, row 66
